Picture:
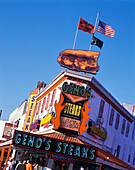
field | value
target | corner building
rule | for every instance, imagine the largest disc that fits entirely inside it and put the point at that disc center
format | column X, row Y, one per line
column 90, row 128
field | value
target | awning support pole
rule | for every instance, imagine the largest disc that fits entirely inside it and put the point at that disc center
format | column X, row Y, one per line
column 7, row 156
column 100, row 167
column 2, row 154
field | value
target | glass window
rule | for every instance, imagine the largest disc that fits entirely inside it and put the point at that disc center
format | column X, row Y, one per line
column 47, row 103
column 111, row 117
column 53, row 97
column 101, row 109
column 39, row 107
column 134, row 159
column 118, row 150
column 127, row 129
column 129, row 156
column 36, row 109
column 133, row 133
column 117, row 121
column 124, row 149
column 43, row 105
column 123, row 126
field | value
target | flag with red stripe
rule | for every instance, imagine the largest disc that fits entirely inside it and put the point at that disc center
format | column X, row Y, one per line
column 85, row 26
column 105, row 29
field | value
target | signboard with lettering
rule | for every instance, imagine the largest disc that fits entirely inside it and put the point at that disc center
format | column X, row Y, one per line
column 71, row 117
column 77, row 90
column 54, row 146
column 69, row 123
column 30, row 111
column 72, row 110
column 61, row 158
column 7, row 130
column 97, row 130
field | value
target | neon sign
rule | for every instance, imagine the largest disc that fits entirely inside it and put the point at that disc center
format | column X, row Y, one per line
column 68, row 123
column 72, row 109
column 76, row 90
column 54, row 146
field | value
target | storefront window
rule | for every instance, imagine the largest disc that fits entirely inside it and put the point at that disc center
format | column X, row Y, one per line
column 84, row 165
column 58, row 165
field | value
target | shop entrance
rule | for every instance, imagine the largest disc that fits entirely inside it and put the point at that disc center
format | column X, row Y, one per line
column 57, row 165
column 84, row 165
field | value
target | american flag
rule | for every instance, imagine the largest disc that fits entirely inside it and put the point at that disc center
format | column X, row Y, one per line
column 105, row 29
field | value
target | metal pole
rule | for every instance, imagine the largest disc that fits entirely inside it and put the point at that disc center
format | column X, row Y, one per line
column 94, row 28
column 8, row 156
column 76, row 35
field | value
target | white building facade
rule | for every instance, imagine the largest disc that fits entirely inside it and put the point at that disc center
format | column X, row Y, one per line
column 110, row 126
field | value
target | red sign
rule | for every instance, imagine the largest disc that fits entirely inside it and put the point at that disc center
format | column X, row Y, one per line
column 68, row 123
column 85, row 26
column 7, row 130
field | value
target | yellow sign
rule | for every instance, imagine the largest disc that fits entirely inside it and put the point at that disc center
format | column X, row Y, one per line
column 72, row 109
column 99, row 132
column 30, row 111
column 45, row 120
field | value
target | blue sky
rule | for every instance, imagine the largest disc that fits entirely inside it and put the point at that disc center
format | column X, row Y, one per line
column 33, row 32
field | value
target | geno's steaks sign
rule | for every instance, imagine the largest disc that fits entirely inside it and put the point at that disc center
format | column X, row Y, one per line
column 54, row 146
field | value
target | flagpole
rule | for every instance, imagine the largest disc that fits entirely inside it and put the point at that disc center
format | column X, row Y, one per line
column 94, row 28
column 76, row 35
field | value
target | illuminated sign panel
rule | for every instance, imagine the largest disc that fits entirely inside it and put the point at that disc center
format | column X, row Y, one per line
column 54, row 146
column 61, row 158
column 75, row 95
column 71, row 117
column 76, row 90
column 68, row 123
column 72, row 111
column 7, row 130
column 30, row 111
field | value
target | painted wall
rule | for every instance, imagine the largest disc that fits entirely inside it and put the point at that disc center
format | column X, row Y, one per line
column 18, row 112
